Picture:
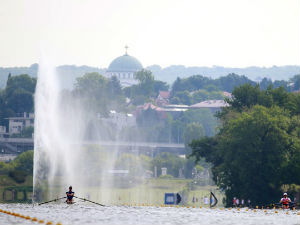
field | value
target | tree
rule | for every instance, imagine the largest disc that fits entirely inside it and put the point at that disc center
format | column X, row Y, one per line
column 136, row 165
column 160, row 86
column 201, row 116
column 18, row 94
column 193, row 131
column 98, row 93
column 280, row 83
column 211, row 88
column 114, row 87
column 246, row 96
column 91, row 85
column 24, row 162
column 177, row 86
column 146, row 82
column 229, row 82
column 184, row 97
column 22, row 81
column 172, row 162
column 256, row 151
column 265, row 83
column 200, row 95
column 20, row 101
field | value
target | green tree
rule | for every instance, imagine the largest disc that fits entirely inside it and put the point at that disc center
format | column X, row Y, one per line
column 92, row 90
column 184, row 96
column 136, row 165
column 114, row 87
column 146, row 82
column 193, row 131
column 17, row 97
column 202, row 116
column 229, row 82
column 246, row 96
column 160, row 86
column 211, row 88
column 20, row 101
column 24, row 162
column 23, row 81
column 145, row 90
column 200, row 96
column 18, row 94
column 91, row 85
column 256, row 151
column 177, row 86
column 265, row 83
column 172, row 162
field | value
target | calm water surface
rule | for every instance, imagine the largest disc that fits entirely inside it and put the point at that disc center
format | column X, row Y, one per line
column 85, row 213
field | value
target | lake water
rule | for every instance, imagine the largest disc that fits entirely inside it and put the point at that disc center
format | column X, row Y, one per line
column 86, row 213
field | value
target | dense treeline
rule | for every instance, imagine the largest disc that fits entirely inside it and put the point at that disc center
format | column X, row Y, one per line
column 19, row 168
column 17, row 97
column 147, row 88
column 189, row 125
column 197, row 82
column 199, row 88
column 256, row 153
column 101, row 94
column 167, row 74
column 98, row 93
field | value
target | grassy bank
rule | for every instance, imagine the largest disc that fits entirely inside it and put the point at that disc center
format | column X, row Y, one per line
column 151, row 191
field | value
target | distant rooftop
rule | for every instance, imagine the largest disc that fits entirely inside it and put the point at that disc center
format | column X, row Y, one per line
column 164, row 94
column 210, row 104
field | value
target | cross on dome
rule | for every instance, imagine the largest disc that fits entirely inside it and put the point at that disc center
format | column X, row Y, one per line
column 126, row 48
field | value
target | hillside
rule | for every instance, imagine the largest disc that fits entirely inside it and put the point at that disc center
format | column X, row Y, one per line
column 69, row 73
column 167, row 74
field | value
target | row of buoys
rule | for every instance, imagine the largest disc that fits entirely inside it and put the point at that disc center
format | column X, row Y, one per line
column 184, row 206
column 33, row 219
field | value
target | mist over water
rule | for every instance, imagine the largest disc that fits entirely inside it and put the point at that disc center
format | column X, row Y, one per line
column 69, row 136
column 62, row 154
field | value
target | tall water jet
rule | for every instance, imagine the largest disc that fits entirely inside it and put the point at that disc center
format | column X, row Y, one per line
column 68, row 146
column 60, row 127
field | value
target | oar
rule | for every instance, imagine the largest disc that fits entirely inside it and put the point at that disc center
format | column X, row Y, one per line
column 52, row 200
column 89, row 201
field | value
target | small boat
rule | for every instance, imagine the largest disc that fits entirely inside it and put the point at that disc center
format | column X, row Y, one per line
column 70, row 202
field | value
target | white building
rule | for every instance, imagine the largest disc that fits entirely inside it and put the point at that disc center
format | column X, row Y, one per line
column 17, row 124
column 124, row 68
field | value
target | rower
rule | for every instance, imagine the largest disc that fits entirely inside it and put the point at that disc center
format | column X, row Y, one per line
column 285, row 201
column 70, row 195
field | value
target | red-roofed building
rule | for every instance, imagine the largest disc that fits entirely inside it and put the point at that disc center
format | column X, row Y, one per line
column 163, row 98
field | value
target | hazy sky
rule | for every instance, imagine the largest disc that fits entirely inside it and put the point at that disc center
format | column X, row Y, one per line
column 166, row 32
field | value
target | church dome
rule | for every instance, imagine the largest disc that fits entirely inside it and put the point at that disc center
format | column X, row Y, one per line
column 125, row 63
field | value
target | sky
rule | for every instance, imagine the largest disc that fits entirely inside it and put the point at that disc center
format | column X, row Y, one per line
column 230, row 33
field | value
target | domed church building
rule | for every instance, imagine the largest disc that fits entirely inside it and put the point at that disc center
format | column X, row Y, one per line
column 124, row 68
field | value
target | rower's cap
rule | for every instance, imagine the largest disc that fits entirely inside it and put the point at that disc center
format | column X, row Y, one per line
column 70, row 187
column 285, row 194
